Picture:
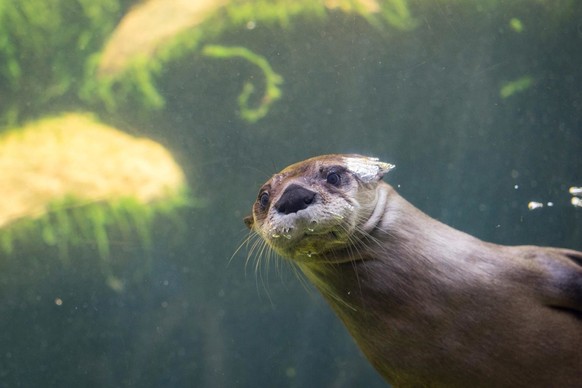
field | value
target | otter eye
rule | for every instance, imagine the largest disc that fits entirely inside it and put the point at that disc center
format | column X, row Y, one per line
column 333, row 178
column 264, row 200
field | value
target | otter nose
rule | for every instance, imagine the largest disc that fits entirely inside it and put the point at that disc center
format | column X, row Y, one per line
column 294, row 198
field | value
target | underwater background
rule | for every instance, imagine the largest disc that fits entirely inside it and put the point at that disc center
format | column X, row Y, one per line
column 134, row 136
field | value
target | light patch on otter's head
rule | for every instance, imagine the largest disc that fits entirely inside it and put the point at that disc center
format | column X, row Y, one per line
column 366, row 168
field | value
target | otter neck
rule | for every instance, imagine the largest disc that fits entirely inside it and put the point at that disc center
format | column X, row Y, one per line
column 402, row 253
column 379, row 210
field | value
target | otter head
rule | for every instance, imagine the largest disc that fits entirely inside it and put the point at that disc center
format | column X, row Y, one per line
column 315, row 208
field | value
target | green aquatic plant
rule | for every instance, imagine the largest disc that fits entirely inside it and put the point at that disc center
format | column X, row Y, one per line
column 272, row 80
column 397, row 14
column 105, row 227
column 279, row 12
column 135, row 56
column 519, row 85
column 44, row 47
column 516, row 25
column 137, row 85
column 58, row 55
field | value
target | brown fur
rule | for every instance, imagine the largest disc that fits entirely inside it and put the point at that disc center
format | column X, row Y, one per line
column 431, row 306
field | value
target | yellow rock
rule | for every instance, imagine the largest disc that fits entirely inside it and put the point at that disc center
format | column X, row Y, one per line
column 148, row 26
column 74, row 156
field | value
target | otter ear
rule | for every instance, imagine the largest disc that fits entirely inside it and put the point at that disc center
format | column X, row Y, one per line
column 367, row 169
column 249, row 221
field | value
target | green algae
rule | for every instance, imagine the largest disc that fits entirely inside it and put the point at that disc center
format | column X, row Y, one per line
column 105, row 227
column 272, row 80
column 137, row 81
column 519, row 85
column 516, row 25
column 40, row 74
column 44, row 46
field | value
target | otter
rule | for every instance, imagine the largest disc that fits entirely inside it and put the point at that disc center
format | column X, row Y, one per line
column 428, row 305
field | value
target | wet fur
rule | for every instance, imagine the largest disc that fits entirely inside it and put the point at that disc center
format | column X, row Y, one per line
column 431, row 306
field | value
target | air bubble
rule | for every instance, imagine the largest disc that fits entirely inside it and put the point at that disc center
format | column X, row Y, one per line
column 534, row 205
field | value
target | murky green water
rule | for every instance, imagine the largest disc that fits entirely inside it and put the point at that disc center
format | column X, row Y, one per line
column 478, row 104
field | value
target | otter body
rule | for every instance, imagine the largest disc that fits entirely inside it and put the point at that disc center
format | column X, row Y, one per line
column 428, row 305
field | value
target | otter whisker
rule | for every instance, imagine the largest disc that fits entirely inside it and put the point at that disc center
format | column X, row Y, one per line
column 301, row 276
column 260, row 256
column 254, row 247
column 244, row 243
column 264, row 283
column 354, row 245
column 263, row 253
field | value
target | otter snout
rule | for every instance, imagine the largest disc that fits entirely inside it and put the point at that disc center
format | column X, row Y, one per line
column 294, row 198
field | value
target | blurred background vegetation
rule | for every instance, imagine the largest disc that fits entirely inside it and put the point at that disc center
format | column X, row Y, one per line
column 477, row 102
